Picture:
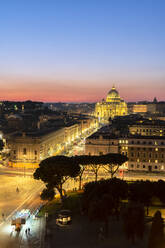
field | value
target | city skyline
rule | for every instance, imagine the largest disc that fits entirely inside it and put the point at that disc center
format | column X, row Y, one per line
column 71, row 51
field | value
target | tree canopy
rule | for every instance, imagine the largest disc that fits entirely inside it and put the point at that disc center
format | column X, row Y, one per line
column 55, row 171
column 112, row 161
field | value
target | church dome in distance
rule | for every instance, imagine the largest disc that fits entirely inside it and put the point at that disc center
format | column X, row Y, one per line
column 112, row 95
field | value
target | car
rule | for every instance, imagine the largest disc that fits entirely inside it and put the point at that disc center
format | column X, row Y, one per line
column 64, row 217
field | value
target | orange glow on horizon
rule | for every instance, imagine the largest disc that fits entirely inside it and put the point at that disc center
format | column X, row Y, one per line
column 47, row 90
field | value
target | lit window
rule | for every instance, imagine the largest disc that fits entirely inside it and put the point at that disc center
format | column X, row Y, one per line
column 156, row 149
column 156, row 161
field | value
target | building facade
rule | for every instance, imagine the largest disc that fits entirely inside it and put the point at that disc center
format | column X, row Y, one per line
column 145, row 152
column 28, row 149
column 113, row 106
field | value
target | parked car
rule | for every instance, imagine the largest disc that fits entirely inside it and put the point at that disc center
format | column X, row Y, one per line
column 64, row 217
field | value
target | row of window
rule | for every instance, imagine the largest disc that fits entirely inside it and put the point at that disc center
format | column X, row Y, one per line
column 150, row 167
column 145, row 149
column 24, row 151
column 14, row 157
column 147, row 142
column 145, row 155
column 149, row 130
column 142, row 142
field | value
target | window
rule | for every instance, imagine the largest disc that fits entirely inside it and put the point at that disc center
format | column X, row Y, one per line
column 100, row 153
column 156, row 166
column 144, row 149
column 132, row 142
column 131, row 165
column 144, row 166
column 162, row 155
column 150, row 143
column 162, row 143
column 132, row 148
column 24, row 151
column 112, row 143
column 132, row 154
column 138, row 165
column 144, row 155
column 149, row 155
column 35, row 152
column 14, row 151
column 138, row 154
column 144, row 142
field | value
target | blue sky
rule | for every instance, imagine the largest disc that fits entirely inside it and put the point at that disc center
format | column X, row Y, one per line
column 70, row 50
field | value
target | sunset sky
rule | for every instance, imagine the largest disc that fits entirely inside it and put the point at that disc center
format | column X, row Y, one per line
column 75, row 50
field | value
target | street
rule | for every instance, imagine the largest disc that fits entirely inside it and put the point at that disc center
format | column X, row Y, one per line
column 11, row 201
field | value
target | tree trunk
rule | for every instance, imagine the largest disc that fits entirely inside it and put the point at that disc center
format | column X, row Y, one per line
column 96, row 174
column 61, row 194
column 80, row 180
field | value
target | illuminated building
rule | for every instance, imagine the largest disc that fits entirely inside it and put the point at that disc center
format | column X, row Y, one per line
column 144, row 152
column 148, row 128
column 139, row 108
column 98, row 144
column 28, row 149
column 113, row 106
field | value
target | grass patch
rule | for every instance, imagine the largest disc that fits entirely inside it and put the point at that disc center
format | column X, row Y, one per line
column 72, row 202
